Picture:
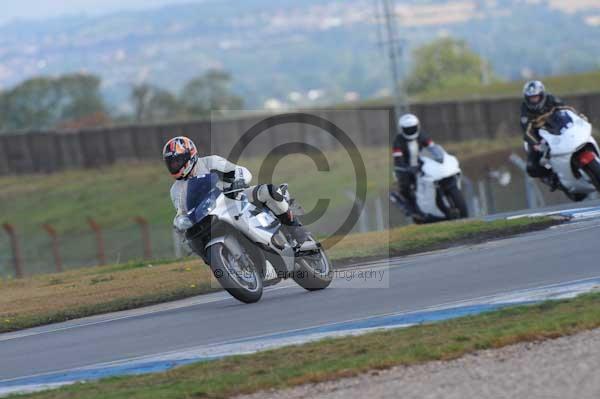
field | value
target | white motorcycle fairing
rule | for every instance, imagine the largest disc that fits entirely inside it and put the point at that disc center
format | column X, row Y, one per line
column 257, row 224
column 432, row 172
column 245, row 244
column 561, row 148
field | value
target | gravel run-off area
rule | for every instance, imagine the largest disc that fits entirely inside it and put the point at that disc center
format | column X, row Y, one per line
column 567, row 367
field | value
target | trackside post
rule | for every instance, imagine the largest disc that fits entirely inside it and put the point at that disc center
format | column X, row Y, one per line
column 55, row 246
column 16, row 249
column 97, row 229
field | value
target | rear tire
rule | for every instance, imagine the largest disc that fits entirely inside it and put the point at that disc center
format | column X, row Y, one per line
column 458, row 200
column 313, row 272
column 593, row 171
column 245, row 286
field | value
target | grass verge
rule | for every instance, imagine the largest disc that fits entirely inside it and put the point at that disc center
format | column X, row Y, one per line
column 414, row 239
column 46, row 299
column 346, row 357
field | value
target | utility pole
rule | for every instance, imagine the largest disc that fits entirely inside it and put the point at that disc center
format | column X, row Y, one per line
column 395, row 51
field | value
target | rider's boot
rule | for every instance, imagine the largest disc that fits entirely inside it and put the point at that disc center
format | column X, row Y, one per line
column 409, row 202
column 553, row 182
column 411, row 206
column 292, row 225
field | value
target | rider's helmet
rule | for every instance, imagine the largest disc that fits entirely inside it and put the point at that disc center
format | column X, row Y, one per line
column 535, row 96
column 180, row 156
column 409, row 126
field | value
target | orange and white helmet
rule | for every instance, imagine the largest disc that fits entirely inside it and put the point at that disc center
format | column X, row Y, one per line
column 180, row 156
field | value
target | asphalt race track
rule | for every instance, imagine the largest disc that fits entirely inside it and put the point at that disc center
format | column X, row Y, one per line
column 564, row 253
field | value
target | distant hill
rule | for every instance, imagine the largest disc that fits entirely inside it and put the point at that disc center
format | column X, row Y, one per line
column 283, row 49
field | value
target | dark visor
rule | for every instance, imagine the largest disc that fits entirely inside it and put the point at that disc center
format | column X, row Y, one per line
column 176, row 162
column 409, row 131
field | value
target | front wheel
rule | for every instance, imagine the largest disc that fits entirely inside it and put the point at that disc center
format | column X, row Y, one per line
column 593, row 171
column 313, row 271
column 457, row 202
column 239, row 277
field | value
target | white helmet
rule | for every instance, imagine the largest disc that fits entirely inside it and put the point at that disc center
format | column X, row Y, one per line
column 409, row 126
column 535, row 95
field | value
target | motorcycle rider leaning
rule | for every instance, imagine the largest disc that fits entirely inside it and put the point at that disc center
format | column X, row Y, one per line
column 409, row 142
column 181, row 157
column 536, row 103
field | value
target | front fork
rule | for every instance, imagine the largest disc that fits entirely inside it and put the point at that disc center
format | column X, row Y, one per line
column 449, row 182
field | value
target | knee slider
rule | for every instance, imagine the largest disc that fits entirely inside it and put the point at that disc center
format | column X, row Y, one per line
column 272, row 198
column 275, row 193
column 267, row 192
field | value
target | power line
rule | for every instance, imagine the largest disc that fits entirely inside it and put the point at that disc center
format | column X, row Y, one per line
column 395, row 48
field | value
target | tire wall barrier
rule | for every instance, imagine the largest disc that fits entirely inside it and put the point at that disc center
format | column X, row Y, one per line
column 51, row 151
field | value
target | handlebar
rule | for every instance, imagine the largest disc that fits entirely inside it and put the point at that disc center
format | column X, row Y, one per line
column 237, row 190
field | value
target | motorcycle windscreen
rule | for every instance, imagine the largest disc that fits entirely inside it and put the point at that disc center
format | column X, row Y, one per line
column 558, row 122
column 202, row 193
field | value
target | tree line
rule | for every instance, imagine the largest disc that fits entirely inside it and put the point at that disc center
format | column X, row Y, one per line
column 76, row 101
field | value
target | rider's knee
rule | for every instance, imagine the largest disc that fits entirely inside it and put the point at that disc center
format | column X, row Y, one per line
column 272, row 197
column 266, row 192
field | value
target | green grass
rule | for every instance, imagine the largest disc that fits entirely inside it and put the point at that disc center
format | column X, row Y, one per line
column 413, row 239
column 45, row 299
column 561, row 85
column 345, row 357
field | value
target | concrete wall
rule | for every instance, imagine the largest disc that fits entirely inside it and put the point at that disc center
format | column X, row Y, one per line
column 47, row 152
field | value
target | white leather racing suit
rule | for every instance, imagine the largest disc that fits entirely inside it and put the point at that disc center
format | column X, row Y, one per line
column 228, row 172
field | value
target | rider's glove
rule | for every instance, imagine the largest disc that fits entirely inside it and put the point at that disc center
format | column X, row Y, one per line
column 541, row 147
column 181, row 223
column 406, row 169
column 237, row 185
column 413, row 169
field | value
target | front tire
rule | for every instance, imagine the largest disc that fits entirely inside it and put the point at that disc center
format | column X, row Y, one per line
column 313, row 271
column 593, row 171
column 457, row 199
column 243, row 283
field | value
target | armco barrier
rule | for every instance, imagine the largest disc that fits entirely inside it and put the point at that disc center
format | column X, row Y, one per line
column 46, row 152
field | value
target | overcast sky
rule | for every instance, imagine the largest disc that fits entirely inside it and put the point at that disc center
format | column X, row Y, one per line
column 51, row 8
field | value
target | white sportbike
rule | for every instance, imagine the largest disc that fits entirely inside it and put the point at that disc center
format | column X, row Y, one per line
column 246, row 246
column 438, row 188
column 571, row 152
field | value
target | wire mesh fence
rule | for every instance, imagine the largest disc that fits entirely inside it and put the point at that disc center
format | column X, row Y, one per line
column 39, row 253
column 44, row 250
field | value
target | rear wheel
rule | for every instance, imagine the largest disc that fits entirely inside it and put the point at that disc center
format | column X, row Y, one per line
column 239, row 277
column 313, row 271
column 593, row 171
column 458, row 203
